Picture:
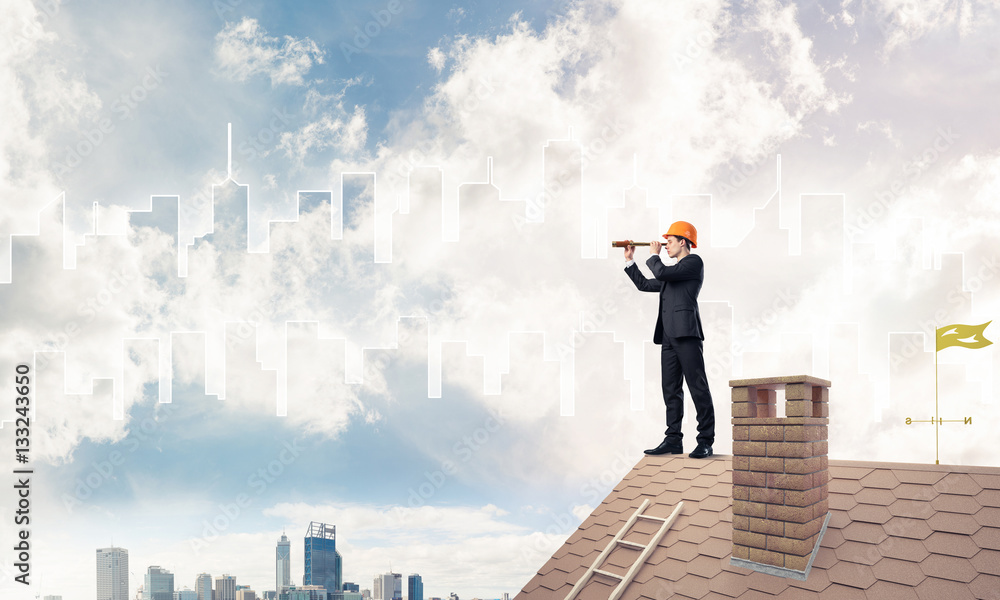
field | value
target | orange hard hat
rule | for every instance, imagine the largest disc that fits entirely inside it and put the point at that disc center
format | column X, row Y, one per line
column 685, row 230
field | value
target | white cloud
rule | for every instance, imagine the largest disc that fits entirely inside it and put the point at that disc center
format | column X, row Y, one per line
column 436, row 58
column 904, row 22
column 243, row 50
column 345, row 133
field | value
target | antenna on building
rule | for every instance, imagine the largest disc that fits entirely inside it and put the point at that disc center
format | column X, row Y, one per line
column 229, row 160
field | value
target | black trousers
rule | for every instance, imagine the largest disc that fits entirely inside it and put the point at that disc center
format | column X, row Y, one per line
column 682, row 359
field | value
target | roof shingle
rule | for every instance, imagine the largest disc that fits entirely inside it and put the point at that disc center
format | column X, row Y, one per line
column 896, row 531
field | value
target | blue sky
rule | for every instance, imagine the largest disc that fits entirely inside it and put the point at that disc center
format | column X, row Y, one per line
column 438, row 354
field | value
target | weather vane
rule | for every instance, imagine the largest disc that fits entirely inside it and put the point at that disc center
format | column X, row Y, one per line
column 964, row 336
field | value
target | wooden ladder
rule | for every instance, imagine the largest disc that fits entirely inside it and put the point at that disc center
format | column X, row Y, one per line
column 645, row 551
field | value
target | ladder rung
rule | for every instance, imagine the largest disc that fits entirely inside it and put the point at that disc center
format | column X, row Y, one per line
column 649, row 518
column 633, row 544
column 607, row 574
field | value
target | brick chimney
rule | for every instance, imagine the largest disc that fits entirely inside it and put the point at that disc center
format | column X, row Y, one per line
column 780, row 473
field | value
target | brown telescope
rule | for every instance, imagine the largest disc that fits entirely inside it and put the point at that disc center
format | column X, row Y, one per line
column 627, row 243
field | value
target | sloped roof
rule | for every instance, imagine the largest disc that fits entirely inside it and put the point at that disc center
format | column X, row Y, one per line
column 907, row 531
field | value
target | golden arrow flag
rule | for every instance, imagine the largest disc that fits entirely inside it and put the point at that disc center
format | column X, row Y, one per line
column 966, row 336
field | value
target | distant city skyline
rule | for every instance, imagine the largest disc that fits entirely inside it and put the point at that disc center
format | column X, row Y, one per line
column 273, row 264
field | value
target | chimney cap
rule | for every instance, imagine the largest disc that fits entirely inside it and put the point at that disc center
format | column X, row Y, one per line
column 779, row 381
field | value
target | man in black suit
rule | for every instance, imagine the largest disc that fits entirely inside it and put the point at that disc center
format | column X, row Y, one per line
column 679, row 333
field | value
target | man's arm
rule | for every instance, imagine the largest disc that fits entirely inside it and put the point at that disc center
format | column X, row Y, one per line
column 641, row 282
column 691, row 267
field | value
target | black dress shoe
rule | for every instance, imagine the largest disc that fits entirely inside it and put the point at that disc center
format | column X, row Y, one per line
column 666, row 447
column 701, row 451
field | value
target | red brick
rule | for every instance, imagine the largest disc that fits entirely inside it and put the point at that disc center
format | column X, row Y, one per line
column 767, row 526
column 741, row 552
column 741, row 463
column 750, row 448
column 798, row 391
column 741, row 492
column 766, row 396
column 789, row 481
column 796, row 563
column 743, row 409
column 804, row 498
column 821, row 409
column 767, row 433
column 762, row 464
column 750, row 540
column 820, row 478
column 798, row 408
column 821, row 394
column 741, row 522
column 804, row 465
column 820, row 448
column 806, row 433
column 801, row 531
column 794, row 514
column 741, row 433
column 766, row 557
column 768, row 495
column 821, row 508
column 767, row 411
column 749, row 478
column 743, row 394
column 750, row 509
column 789, row 449
column 786, row 545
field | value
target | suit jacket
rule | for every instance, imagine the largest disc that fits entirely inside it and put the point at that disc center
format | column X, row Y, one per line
column 678, row 286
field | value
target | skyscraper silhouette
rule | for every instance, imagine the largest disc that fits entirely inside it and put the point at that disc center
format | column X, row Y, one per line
column 112, row 573
column 283, row 564
column 323, row 564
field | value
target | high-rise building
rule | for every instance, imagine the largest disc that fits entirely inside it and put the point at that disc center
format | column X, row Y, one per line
column 283, row 564
column 185, row 594
column 414, row 587
column 246, row 594
column 225, row 587
column 350, row 587
column 323, row 564
column 388, row 586
column 305, row 592
column 203, row 586
column 158, row 585
column 51, row 597
column 112, row 573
